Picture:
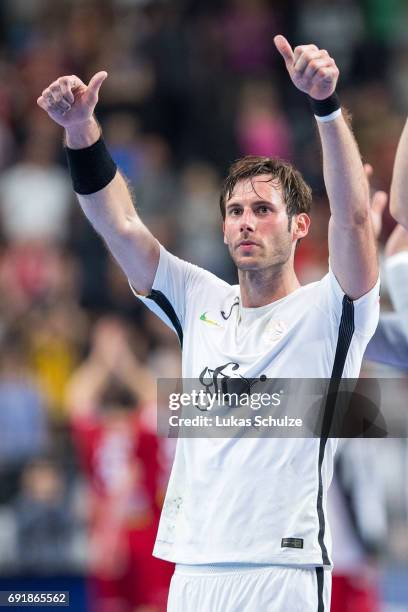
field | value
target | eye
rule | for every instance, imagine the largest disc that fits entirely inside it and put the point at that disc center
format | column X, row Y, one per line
column 263, row 210
column 234, row 211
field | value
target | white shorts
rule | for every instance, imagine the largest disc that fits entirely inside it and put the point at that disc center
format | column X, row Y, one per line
column 249, row 588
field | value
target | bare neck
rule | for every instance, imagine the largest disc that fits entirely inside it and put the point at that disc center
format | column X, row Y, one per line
column 262, row 287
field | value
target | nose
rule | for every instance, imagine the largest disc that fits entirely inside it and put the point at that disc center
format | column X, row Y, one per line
column 247, row 221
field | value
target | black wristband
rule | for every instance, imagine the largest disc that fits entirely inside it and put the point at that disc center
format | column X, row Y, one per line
column 322, row 108
column 91, row 168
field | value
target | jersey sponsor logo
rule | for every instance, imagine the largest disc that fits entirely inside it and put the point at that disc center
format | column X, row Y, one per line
column 204, row 318
column 227, row 379
column 292, row 543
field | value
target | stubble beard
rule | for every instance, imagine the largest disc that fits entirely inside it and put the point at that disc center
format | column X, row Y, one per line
column 259, row 263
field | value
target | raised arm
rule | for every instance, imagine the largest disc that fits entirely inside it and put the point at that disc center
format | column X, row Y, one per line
column 71, row 103
column 396, row 268
column 352, row 246
column 389, row 345
column 399, row 184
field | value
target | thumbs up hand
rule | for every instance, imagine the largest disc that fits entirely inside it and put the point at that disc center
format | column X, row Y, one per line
column 68, row 101
column 312, row 70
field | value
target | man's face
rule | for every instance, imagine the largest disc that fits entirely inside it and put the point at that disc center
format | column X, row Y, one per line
column 256, row 226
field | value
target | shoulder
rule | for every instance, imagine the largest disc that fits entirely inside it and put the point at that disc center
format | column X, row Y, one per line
column 194, row 277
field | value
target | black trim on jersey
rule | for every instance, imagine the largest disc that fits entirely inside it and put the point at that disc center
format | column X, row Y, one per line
column 320, row 579
column 346, row 330
column 167, row 308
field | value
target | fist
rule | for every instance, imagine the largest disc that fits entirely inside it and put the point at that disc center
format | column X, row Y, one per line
column 312, row 70
column 68, row 101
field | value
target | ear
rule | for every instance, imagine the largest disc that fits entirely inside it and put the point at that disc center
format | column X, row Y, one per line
column 223, row 231
column 301, row 226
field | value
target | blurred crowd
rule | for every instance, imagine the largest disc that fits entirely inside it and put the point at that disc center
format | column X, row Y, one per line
column 192, row 86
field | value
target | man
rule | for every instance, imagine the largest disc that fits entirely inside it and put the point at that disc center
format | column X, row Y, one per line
column 399, row 185
column 356, row 501
column 389, row 345
column 257, row 503
column 397, row 245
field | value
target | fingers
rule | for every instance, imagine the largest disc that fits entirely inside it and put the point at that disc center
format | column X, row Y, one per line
column 284, row 49
column 379, row 198
column 303, row 54
column 379, row 202
column 60, row 95
column 42, row 103
column 56, row 97
column 50, row 101
column 67, row 84
column 311, row 61
column 313, row 71
column 322, row 68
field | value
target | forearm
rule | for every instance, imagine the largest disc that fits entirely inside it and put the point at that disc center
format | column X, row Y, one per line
column 110, row 208
column 344, row 176
column 352, row 244
column 399, row 184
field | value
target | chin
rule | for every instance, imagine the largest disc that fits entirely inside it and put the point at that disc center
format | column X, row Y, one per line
column 247, row 263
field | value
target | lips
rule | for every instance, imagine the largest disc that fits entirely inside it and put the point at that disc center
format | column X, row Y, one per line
column 247, row 243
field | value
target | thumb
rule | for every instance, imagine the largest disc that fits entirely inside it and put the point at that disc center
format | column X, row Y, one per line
column 94, row 85
column 284, row 49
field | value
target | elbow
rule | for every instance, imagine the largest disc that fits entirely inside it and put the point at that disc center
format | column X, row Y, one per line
column 353, row 210
column 361, row 216
column 354, row 219
column 126, row 226
column 361, row 211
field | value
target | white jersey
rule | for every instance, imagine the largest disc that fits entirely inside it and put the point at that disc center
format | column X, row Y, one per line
column 253, row 500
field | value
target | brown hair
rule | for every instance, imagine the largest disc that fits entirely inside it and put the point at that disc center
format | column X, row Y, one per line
column 296, row 192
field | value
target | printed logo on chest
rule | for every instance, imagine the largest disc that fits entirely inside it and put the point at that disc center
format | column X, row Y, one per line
column 209, row 320
column 274, row 331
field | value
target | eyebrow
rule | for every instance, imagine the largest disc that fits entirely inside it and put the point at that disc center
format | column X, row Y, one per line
column 256, row 203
